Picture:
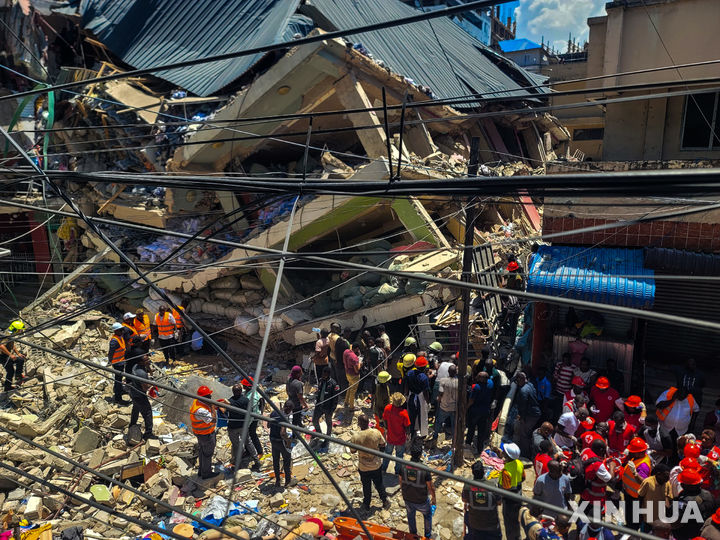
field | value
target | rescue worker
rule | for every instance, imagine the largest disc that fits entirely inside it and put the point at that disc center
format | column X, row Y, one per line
column 418, row 385
column 116, row 357
column 133, row 352
column 178, row 313
column 139, row 394
column 481, row 509
column 11, row 358
column 511, row 479
column 596, row 472
column 141, row 323
column 692, row 493
column 203, row 418
column 418, row 492
column 165, row 323
column 381, row 399
column 637, row 468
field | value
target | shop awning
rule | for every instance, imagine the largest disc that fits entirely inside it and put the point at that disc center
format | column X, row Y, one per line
column 607, row 276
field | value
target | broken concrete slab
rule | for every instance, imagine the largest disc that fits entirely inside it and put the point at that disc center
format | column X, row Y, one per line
column 86, row 440
column 33, row 509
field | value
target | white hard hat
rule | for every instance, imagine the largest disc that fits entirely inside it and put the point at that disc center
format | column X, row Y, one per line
column 116, row 326
column 511, row 449
column 128, row 315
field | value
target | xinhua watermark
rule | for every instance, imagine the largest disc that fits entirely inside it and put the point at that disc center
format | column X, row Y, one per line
column 636, row 511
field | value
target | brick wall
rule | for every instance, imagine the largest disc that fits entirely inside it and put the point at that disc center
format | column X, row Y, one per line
column 668, row 234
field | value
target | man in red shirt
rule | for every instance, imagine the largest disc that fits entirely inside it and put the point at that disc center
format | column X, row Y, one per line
column 621, row 433
column 540, row 463
column 397, row 425
column 602, row 399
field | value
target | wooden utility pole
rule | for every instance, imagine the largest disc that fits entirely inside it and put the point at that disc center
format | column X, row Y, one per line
column 470, row 216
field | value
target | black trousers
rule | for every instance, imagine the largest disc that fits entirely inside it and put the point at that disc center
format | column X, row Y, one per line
column 118, row 387
column 479, row 424
column 368, row 478
column 319, row 413
column 168, row 348
column 252, row 433
column 206, row 450
column 141, row 406
column 279, row 450
column 340, row 376
column 297, row 418
column 13, row 369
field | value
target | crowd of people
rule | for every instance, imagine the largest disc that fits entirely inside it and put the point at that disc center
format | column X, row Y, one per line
column 585, row 438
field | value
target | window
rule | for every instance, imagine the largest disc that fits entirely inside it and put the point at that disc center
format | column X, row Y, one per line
column 701, row 128
column 590, row 134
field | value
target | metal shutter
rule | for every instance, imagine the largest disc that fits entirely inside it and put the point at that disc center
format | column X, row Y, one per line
column 669, row 344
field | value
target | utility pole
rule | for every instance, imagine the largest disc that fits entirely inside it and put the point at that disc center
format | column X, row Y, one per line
column 470, row 216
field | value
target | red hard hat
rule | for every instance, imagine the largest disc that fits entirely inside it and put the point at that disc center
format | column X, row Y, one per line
column 637, row 445
column 204, row 391
column 602, row 383
column 578, row 381
column 690, row 477
column 421, row 361
column 716, row 516
column 691, row 450
column 588, row 423
column 633, row 401
column 689, row 463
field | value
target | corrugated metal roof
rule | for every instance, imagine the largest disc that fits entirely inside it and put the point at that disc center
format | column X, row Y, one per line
column 678, row 261
column 412, row 50
column 148, row 33
column 593, row 274
column 520, row 44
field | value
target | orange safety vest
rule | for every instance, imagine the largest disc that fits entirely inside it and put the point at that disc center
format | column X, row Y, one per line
column 663, row 413
column 630, row 484
column 200, row 427
column 179, row 323
column 118, row 354
column 133, row 332
column 163, row 325
column 142, row 327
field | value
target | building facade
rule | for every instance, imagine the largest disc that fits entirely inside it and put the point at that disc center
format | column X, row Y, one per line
column 643, row 37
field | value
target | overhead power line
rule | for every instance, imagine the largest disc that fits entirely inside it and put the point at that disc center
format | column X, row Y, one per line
column 348, row 444
column 648, row 315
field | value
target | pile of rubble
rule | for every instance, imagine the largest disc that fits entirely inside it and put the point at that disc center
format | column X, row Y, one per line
column 68, row 408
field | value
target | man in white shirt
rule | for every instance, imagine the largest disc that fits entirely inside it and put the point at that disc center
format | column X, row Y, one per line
column 567, row 425
column 675, row 408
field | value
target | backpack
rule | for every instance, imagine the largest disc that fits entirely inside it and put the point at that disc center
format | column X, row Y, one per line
column 576, row 471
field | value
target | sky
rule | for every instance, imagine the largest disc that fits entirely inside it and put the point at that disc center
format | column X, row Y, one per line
column 554, row 19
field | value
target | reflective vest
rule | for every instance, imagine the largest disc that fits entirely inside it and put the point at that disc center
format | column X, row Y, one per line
column 179, row 323
column 663, row 413
column 630, row 483
column 132, row 329
column 165, row 328
column 199, row 426
column 142, row 326
column 118, row 355
column 511, row 476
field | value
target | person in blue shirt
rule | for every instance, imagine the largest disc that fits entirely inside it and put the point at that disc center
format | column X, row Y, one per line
column 418, row 385
column 528, row 413
column 480, row 398
column 544, row 392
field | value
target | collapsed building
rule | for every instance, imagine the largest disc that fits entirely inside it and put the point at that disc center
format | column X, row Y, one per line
column 251, row 116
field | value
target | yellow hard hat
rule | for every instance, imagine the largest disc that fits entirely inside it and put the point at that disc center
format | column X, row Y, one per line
column 383, row 377
column 16, row 326
column 408, row 360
